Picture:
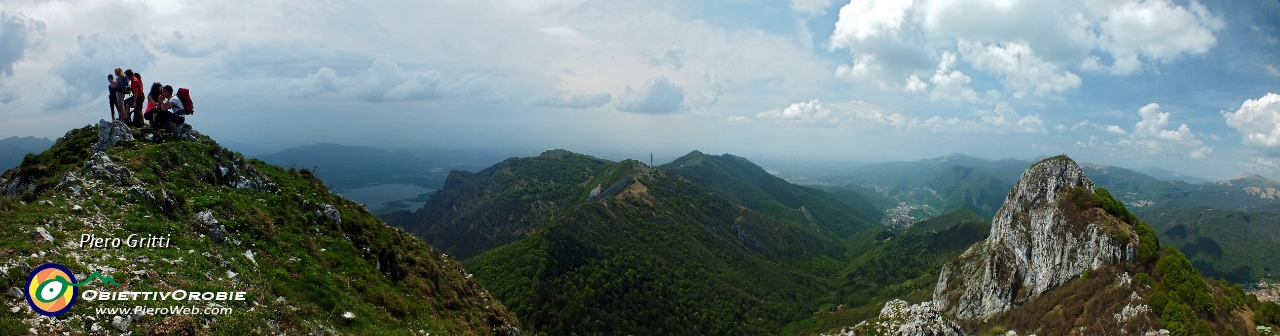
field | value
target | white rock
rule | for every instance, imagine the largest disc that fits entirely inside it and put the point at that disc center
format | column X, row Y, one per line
column 121, row 324
column 1032, row 248
column 41, row 233
column 348, row 315
column 901, row 319
column 110, row 133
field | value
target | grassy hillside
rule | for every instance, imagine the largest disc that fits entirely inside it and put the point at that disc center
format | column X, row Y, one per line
column 747, row 184
column 305, row 257
column 661, row 255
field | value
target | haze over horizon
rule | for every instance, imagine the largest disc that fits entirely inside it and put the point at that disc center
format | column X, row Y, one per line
column 1189, row 86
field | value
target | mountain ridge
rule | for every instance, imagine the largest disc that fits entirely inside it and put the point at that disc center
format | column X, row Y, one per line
column 308, row 260
column 1064, row 257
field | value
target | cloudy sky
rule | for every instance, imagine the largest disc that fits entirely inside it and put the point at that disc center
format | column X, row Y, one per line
column 1183, row 85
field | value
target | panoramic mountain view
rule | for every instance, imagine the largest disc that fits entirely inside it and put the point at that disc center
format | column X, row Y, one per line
column 579, row 167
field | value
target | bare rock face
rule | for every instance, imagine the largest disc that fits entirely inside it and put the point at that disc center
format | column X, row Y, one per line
column 17, row 186
column 110, row 133
column 901, row 319
column 1038, row 240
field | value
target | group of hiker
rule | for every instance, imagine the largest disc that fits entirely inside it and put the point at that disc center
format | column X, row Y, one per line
column 165, row 108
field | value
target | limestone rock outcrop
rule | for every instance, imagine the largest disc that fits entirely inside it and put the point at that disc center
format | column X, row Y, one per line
column 1038, row 240
column 898, row 318
column 110, row 133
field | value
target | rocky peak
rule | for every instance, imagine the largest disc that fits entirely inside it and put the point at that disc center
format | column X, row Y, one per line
column 1039, row 239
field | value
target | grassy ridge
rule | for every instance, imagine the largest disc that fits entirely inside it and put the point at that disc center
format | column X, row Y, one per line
column 306, row 270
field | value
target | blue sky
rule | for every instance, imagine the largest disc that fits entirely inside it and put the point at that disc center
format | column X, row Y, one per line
column 1188, row 86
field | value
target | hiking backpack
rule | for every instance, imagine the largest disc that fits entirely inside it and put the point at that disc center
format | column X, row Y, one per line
column 184, row 95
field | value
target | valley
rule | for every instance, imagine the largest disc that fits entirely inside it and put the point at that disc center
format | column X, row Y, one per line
column 853, row 278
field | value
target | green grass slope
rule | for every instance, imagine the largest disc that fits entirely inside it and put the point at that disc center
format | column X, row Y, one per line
column 304, row 256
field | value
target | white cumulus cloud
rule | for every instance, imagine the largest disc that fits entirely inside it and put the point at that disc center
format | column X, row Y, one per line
column 950, row 84
column 1031, row 45
column 1152, row 136
column 810, row 111
column 1258, row 121
column 1157, row 30
column 1115, row 130
column 1019, row 69
column 863, row 20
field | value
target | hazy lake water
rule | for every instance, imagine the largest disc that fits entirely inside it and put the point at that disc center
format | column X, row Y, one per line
column 376, row 197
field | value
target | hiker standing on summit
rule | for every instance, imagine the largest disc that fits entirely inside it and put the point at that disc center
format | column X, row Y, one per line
column 135, row 102
column 111, row 95
column 122, row 86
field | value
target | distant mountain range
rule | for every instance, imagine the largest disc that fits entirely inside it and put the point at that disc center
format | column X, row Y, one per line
column 13, row 149
column 932, row 186
column 714, row 244
column 1168, row 175
column 1210, row 215
column 345, row 167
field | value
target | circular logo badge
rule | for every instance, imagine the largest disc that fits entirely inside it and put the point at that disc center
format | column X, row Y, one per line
column 51, row 289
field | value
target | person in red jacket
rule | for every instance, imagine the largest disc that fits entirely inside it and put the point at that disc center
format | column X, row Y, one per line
column 135, row 86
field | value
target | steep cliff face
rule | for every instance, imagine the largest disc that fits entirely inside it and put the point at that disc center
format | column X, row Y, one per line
column 1039, row 239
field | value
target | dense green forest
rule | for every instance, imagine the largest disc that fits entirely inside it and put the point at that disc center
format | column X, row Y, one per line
column 662, row 256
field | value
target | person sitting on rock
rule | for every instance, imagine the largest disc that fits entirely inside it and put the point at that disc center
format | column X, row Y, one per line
column 166, row 115
column 153, row 103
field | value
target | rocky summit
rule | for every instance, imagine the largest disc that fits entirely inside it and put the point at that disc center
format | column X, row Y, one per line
column 1036, row 244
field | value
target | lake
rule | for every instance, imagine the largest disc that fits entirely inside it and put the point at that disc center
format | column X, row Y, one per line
column 376, row 197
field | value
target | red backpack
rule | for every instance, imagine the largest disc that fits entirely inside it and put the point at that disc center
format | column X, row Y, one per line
column 184, row 95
